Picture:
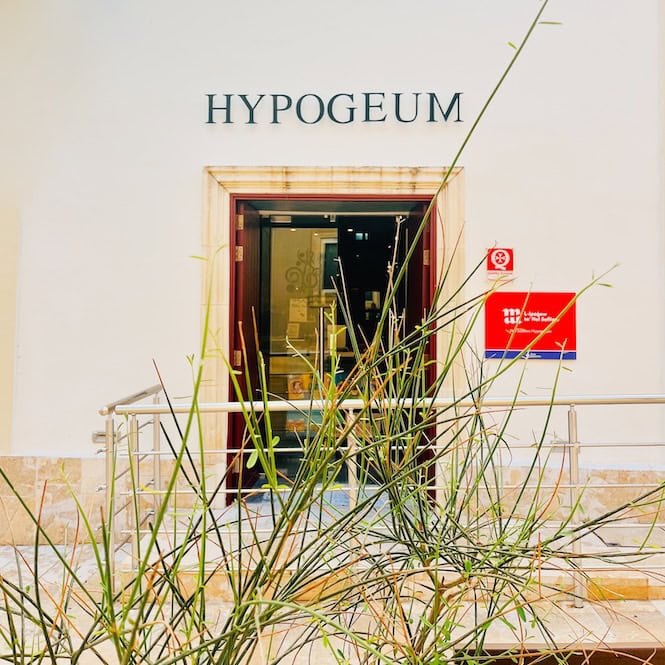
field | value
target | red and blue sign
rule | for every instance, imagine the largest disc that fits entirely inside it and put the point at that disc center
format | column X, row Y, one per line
column 530, row 325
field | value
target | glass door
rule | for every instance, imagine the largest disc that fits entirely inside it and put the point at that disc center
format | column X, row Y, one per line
column 301, row 259
column 303, row 256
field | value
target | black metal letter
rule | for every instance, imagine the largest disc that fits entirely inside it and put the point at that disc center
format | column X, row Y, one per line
column 454, row 101
column 299, row 108
column 251, row 108
column 350, row 109
column 398, row 96
column 369, row 106
column 278, row 109
column 212, row 109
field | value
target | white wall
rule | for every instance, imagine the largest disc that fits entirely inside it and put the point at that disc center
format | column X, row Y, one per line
column 104, row 139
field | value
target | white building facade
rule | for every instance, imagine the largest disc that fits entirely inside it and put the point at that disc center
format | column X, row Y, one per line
column 129, row 130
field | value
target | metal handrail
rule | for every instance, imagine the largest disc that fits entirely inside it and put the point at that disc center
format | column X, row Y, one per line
column 356, row 404
column 130, row 399
column 127, row 407
column 111, row 443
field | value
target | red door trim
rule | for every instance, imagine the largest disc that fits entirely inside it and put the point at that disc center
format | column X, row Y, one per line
column 429, row 242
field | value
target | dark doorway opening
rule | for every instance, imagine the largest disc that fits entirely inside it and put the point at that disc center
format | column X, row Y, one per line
column 290, row 254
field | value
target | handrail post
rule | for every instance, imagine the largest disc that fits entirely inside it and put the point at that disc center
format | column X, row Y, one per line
column 134, row 506
column 351, row 463
column 111, row 440
column 156, row 457
column 322, row 343
column 109, row 491
column 574, row 492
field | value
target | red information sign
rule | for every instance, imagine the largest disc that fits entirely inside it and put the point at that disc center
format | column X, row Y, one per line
column 513, row 320
column 500, row 259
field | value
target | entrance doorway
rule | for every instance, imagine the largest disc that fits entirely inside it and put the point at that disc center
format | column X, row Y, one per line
column 293, row 258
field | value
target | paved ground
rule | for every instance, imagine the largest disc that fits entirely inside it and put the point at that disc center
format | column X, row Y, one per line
column 597, row 623
column 634, row 615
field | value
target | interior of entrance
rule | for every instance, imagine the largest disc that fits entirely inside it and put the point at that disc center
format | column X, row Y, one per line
column 309, row 252
column 308, row 260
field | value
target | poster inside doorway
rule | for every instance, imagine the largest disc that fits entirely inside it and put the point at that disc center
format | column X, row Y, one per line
column 514, row 319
